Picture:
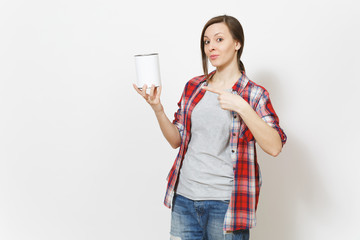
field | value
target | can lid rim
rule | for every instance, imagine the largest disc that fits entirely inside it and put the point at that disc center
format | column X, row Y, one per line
column 143, row 55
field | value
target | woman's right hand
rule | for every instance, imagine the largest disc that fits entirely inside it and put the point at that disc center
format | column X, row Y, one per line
column 153, row 98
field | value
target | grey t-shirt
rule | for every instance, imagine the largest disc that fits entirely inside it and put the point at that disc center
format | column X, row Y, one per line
column 207, row 168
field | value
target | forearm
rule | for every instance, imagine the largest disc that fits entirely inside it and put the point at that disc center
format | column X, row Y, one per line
column 266, row 136
column 169, row 130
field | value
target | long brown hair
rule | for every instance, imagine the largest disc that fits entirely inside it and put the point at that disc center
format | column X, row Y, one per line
column 237, row 34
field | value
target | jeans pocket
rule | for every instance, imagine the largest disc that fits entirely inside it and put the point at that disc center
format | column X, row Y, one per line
column 238, row 235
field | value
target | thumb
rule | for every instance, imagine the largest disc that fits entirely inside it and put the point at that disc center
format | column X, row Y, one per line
column 158, row 93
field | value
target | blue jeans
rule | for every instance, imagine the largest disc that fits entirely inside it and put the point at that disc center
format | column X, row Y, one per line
column 201, row 220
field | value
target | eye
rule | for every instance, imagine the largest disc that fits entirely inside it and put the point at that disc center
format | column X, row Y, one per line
column 206, row 42
column 219, row 39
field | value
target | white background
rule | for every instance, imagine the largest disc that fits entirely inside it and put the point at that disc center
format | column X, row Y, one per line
column 82, row 156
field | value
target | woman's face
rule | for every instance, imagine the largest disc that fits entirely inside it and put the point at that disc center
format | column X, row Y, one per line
column 219, row 46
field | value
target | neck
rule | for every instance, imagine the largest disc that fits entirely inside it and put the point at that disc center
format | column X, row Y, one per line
column 226, row 76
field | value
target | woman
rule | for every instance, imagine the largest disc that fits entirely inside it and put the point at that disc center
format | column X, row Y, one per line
column 215, row 181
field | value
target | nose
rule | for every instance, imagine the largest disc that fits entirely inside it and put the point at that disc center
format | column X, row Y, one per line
column 211, row 47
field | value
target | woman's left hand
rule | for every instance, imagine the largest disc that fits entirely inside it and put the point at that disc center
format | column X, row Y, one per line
column 227, row 100
column 266, row 136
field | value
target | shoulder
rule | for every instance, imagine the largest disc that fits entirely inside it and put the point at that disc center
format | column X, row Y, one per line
column 255, row 93
column 196, row 80
column 194, row 83
column 255, row 88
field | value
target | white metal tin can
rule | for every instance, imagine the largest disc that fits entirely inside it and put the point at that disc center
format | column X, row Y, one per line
column 147, row 70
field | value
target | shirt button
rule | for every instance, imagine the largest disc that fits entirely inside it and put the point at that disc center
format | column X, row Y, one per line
column 234, row 134
column 232, row 151
column 234, row 116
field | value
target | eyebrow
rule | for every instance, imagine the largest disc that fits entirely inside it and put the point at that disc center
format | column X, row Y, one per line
column 215, row 34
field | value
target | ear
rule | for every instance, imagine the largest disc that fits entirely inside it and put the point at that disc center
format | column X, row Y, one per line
column 237, row 45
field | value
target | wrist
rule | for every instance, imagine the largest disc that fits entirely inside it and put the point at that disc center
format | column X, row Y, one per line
column 242, row 107
column 158, row 108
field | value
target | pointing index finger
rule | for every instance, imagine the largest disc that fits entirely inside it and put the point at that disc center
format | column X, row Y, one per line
column 210, row 89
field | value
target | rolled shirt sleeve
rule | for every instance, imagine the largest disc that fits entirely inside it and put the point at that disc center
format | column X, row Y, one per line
column 266, row 111
column 179, row 117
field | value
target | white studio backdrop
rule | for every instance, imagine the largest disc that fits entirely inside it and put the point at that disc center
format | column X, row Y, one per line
column 82, row 156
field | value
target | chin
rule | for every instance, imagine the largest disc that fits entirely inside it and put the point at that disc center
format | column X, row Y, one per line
column 214, row 64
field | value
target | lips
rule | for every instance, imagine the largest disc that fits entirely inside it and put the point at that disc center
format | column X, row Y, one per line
column 213, row 57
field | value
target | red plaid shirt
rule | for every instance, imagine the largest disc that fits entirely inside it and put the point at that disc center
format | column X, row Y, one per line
column 247, row 177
